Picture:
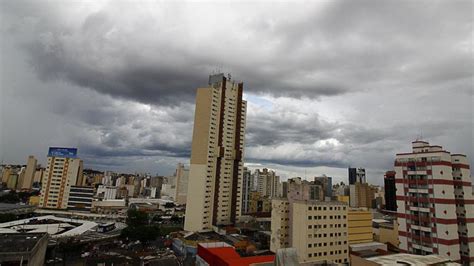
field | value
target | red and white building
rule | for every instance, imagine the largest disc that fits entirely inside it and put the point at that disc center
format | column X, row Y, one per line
column 435, row 205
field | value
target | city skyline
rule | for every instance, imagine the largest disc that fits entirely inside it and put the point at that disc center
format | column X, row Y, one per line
column 322, row 95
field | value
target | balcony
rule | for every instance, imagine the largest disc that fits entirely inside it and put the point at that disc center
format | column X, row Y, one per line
column 417, row 172
column 418, row 190
column 421, row 227
column 421, row 218
column 419, row 208
column 418, row 182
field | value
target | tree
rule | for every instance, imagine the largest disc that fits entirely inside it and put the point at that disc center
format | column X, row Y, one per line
column 136, row 218
column 11, row 197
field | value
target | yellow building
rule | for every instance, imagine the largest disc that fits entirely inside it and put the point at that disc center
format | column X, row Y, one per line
column 215, row 189
column 317, row 229
column 34, row 200
column 343, row 199
column 388, row 233
column 63, row 170
column 12, row 181
column 359, row 222
column 27, row 181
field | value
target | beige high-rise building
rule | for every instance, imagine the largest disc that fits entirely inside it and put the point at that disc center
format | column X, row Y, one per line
column 317, row 229
column 182, row 178
column 268, row 183
column 63, row 170
column 6, row 171
column 216, row 171
column 38, row 175
column 29, row 176
column 361, row 195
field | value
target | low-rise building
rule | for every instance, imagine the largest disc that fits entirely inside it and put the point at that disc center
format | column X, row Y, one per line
column 317, row 229
column 80, row 198
column 23, row 249
column 223, row 254
column 401, row 259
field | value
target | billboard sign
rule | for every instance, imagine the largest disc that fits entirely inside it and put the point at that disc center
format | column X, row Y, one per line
column 62, row 152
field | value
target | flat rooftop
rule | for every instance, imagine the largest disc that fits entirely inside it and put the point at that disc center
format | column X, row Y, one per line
column 18, row 242
column 411, row 259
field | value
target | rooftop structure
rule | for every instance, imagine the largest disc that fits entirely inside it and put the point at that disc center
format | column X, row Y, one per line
column 23, row 249
column 411, row 259
column 55, row 226
column 222, row 254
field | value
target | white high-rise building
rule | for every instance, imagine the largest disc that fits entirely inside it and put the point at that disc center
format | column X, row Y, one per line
column 215, row 176
column 435, row 205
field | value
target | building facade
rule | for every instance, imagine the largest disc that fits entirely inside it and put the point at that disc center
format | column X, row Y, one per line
column 182, row 179
column 216, row 170
column 80, row 198
column 268, row 182
column 63, row 170
column 390, row 191
column 435, row 203
column 361, row 195
column 27, row 182
column 326, row 182
column 304, row 190
column 359, row 222
column 356, row 175
column 246, row 190
column 317, row 229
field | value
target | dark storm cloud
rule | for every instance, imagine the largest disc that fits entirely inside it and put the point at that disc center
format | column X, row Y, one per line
column 351, row 82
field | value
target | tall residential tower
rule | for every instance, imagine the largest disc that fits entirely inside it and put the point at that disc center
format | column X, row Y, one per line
column 216, row 170
column 435, row 205
column 63, row 170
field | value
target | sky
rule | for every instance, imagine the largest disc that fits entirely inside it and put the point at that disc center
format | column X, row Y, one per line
column 329, row 84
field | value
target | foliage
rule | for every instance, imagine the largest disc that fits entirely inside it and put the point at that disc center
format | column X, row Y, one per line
column 7, row 217
column 144, row 233
column 136, row 218
column 11, row 197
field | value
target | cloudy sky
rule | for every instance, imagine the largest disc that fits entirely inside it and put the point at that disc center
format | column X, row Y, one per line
column 330, row 84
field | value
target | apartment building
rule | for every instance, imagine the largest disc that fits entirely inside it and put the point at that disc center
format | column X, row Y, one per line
column 80, row 198
column 390, row 191
column 216, row 170
column 435, row 203
column 317, row 229
column 304, row 190
column 63, row 170
column 182, row 179
column 29, row 176
column 359, row 223
column 361, row 195
column 268, row 182
column 356, row 175
column 246, row 190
